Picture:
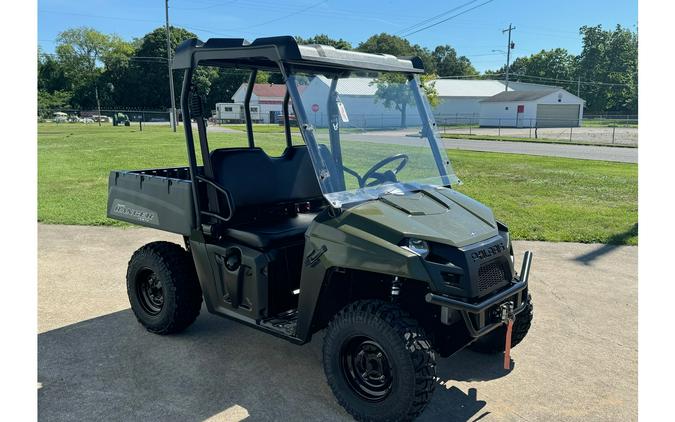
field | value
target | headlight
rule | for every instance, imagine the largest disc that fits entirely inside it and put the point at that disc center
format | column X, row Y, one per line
column 417, row 246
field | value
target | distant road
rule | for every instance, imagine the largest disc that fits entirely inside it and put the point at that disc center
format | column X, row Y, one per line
column 583, row 152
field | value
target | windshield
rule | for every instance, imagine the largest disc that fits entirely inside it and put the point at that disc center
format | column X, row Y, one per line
column 369, row 134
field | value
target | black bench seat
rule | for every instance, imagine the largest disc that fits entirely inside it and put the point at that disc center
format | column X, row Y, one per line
column 258, row 182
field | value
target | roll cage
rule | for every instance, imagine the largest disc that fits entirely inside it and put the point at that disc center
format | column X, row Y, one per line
column 284, row 55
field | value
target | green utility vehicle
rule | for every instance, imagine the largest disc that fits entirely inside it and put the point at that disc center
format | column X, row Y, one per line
column 355, row 232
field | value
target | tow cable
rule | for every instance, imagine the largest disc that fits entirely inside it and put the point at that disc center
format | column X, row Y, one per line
column 508, row 317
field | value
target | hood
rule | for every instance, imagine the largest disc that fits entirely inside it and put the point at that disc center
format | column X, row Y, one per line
column 439, row 215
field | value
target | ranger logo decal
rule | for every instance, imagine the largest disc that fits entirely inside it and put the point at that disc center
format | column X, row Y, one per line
column 134, row 212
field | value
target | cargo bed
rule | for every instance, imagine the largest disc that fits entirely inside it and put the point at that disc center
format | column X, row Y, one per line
column 156, row 198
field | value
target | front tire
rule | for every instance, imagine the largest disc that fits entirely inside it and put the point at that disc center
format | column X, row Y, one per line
column 163, row 288
column 493, row 343
column 378, row 362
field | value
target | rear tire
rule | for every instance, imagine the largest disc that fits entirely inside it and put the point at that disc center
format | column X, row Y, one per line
column 163, row 288
column 378, row 362
column 493, row 342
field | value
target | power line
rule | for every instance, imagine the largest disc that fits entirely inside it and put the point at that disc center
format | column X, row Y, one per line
column 418, row 24
column 87, row 15
column 569, row 80
column 319, row 3
column 483, row 77
column 448, row 18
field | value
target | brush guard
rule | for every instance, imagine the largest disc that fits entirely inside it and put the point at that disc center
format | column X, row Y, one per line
column 475, row 314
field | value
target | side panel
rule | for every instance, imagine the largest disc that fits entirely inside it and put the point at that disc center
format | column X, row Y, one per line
column 240, row 289
column 152, row 201
column 327, row 247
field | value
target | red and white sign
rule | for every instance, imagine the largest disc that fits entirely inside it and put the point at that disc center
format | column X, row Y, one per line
column 315, row 107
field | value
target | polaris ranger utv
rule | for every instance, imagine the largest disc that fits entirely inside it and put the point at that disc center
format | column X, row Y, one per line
column 356, row 232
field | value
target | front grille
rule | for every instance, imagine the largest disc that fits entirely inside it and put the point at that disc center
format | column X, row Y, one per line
column 490, row 275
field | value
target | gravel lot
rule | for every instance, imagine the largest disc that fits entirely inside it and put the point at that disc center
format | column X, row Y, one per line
column 96, row 362
column 601, row 135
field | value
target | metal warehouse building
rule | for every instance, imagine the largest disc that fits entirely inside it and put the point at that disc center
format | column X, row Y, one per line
column 553, row 107
column 488, row 103
column 461, row 101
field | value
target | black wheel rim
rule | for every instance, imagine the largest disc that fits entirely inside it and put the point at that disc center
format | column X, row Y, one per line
column 150, row 291
column 366, row 368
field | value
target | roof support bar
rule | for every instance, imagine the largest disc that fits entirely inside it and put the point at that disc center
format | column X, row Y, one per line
column 247, row 108
column 192, row 158
column 334, row 130
column 287, row 122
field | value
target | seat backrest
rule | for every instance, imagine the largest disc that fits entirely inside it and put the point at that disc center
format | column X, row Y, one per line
column 254, row 178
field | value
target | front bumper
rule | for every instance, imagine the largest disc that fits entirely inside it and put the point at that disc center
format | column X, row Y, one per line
column 476, row 316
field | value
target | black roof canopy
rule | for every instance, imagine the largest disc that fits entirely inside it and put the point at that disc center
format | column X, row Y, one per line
column 266, row 53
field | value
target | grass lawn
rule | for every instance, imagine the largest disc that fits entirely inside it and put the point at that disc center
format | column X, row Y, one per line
column 523, row 139
column 260, row 128
column 540, row 198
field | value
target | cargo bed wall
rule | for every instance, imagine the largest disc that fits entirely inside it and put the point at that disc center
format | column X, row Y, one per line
column 147, row 199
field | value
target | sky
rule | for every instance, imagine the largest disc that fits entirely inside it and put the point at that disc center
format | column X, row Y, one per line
column 475, row 33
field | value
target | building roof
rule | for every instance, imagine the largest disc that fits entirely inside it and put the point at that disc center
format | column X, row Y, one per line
column 268, row 90
column 467, row 87
column 264, row 91
column 351, row 86
column 519, row 95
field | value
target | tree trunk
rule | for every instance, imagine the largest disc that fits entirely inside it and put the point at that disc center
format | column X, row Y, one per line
column 403, row 110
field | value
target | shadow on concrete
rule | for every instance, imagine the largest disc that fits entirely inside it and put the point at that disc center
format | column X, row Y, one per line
column 612, row 245
column 470, row 366
column 110, row 368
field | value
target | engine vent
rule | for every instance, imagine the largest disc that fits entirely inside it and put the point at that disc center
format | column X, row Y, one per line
column 450, row 279
column 490, row 275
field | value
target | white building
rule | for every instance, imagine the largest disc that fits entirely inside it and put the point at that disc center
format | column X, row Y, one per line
column 553, row 107
column 268, row 97
column 461, row 101
column 358, row 97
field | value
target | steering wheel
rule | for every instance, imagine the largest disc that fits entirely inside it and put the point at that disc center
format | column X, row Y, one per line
column 387, row 176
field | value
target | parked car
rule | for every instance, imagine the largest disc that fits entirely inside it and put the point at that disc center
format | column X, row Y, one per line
column 60, row 117
column 97, row 118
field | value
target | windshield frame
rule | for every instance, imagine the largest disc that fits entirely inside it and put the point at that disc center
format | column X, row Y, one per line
column 332, row 185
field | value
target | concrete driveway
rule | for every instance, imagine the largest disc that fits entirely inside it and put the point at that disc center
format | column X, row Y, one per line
column 96, row 362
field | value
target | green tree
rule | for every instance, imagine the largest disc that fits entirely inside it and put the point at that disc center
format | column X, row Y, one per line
column 48, row 102
column 83, row 54
column 51, row 76
column 396, row 46
column 449, row 64
column 324, row 39
column 386, row 44
column 606, row 68
column 148, row 75
column 394, row 92
column 551, row 67
column 611, row 58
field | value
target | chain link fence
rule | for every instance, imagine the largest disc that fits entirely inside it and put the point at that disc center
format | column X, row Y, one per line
column 602, row 130
column 121, row 116
column 618, row 130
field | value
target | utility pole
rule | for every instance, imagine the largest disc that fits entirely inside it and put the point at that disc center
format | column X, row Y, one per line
column 168, row 57
column 509, row 46
column 579, row 86
column 98, row 105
